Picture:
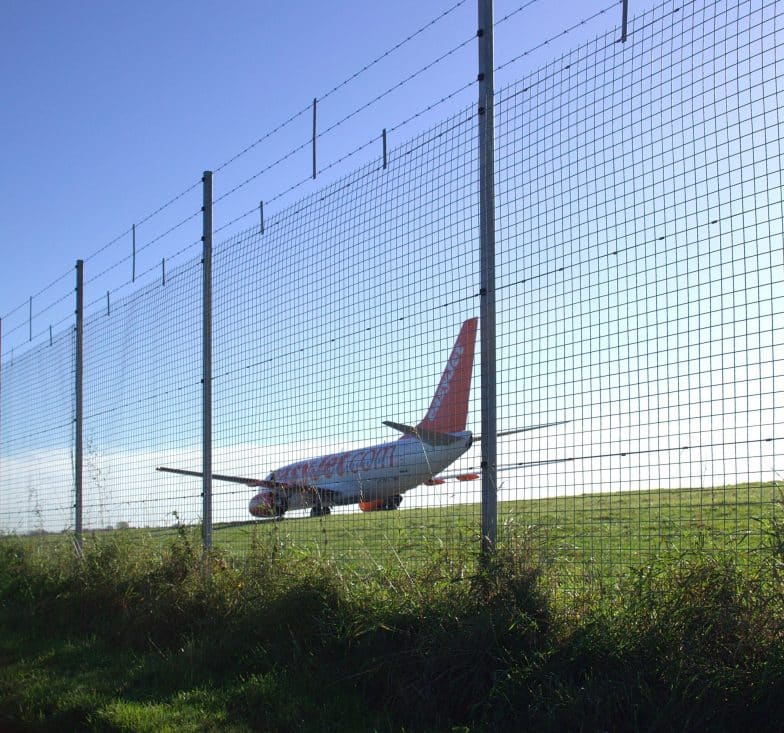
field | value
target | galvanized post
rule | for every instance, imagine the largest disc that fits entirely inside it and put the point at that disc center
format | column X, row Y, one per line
column 78, row 418
column 133, row 257
column 384, row 146
column 261, row 216
column 314, row 137
column 624, row 19
column 206, row 456
column 487, row 289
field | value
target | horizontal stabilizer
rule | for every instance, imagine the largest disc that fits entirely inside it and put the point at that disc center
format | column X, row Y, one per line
column 431, row 437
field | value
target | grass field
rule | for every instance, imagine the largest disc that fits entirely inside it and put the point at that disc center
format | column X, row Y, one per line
column 650, row 611
column 592, row 536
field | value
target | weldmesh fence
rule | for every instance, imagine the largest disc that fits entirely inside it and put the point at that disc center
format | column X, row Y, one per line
column 142, row 404
column 640, row 289
column 37, row 434
column 640, row 322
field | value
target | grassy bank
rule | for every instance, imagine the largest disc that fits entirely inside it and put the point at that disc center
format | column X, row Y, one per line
column 137, row 636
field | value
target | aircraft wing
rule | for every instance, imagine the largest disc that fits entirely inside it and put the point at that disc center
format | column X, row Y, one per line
column 282, row 486
column 528, row 464
column 473, row 473
column 477, row 438
column 263, row 483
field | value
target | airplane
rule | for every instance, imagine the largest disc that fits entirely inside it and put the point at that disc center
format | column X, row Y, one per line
column 376, row 477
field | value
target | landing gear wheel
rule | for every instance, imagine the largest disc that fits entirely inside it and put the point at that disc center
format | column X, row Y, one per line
column 320, row 511
column 393, row 502
column 280, row 508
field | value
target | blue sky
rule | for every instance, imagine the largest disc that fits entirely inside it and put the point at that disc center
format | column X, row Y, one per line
column 112, row 109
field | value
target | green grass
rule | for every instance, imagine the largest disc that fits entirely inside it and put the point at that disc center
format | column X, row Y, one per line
column 617, row 612
column 591, row 538
column 89, row 683
column 625, row 525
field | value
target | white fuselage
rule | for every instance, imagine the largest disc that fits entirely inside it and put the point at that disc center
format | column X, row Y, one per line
column 369, row 474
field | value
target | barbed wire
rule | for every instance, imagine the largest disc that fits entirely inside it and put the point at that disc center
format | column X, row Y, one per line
column 304, row 181
column 394, row 87
column 260, row 173
column 397, row 47
column 342, row 84
column 348, row 117
column 38, row 314
column 297, row 185
column 558, row 35
column 169, row 231
column 509, row 16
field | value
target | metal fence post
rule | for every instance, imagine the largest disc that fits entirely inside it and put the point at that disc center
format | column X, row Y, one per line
column 207, row 362
column 624, row 20
column 487, row 314
column 314, row 138
column 78, row 393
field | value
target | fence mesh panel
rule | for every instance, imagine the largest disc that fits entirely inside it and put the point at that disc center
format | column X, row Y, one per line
column 142, row 405
column 37, row 438
column 640, row 248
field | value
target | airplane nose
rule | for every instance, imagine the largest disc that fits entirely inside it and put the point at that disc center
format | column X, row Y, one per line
column 261, row 505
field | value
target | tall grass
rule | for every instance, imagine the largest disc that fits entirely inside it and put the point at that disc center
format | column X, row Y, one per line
column 279, row 640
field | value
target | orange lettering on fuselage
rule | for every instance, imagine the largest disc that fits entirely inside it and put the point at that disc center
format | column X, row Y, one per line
column 338, row 464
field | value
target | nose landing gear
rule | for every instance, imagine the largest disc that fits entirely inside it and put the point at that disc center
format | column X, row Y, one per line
column 393, row 502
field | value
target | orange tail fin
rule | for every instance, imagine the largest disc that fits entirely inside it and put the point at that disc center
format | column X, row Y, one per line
column 448, row 411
